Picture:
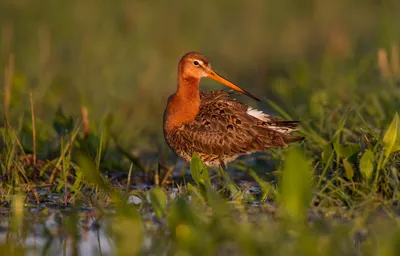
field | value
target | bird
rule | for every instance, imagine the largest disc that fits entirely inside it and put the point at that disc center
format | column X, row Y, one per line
column 213, row 124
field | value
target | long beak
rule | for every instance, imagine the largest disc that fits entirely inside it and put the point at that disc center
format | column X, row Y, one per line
column 213, row 75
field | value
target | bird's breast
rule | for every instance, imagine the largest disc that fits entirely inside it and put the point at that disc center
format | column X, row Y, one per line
column 180, row 111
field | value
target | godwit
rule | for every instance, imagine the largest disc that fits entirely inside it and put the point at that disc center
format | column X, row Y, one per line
column 215, row 126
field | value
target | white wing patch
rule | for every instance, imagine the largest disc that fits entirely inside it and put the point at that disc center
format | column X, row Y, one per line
column 258, row 114
column 265, row 117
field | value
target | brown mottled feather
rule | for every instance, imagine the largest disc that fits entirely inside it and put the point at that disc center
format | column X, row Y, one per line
column 223, row 130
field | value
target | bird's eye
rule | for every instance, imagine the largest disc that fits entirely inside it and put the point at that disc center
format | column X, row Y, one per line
column 196, row 63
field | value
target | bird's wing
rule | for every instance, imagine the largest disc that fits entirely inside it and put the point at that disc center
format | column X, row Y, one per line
column 223, row 127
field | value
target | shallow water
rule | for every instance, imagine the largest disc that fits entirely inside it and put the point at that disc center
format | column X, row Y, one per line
column 42, row 230
column 47, row 238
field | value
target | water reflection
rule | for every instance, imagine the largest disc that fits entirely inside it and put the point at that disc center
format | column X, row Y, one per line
column 49, row 238
column 53, row 229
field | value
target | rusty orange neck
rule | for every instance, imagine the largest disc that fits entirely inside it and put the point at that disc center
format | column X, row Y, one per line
column 184, row 104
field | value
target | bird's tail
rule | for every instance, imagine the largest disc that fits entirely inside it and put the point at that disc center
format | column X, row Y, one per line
column 291, row 139
column 288, row 124
column 283, row 126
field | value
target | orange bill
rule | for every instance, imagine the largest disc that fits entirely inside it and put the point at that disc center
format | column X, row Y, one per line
column 213, row 75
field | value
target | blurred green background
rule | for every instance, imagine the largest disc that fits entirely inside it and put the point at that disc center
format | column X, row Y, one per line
column 120, row 57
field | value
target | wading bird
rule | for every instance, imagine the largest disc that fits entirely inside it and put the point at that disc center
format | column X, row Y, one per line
column 213, row 125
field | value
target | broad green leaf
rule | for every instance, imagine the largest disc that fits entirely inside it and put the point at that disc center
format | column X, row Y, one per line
column 94, row 176
column 221, row 208
column 199, row 170
column 348, row 168
column 183, row 212
column 203, row 190
column 295, row 192
column 88, row 168
column 391, row 139
column 367, row 163
column 197, row 197
column 129, row 232
column 346, row 151
column 158, row 200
